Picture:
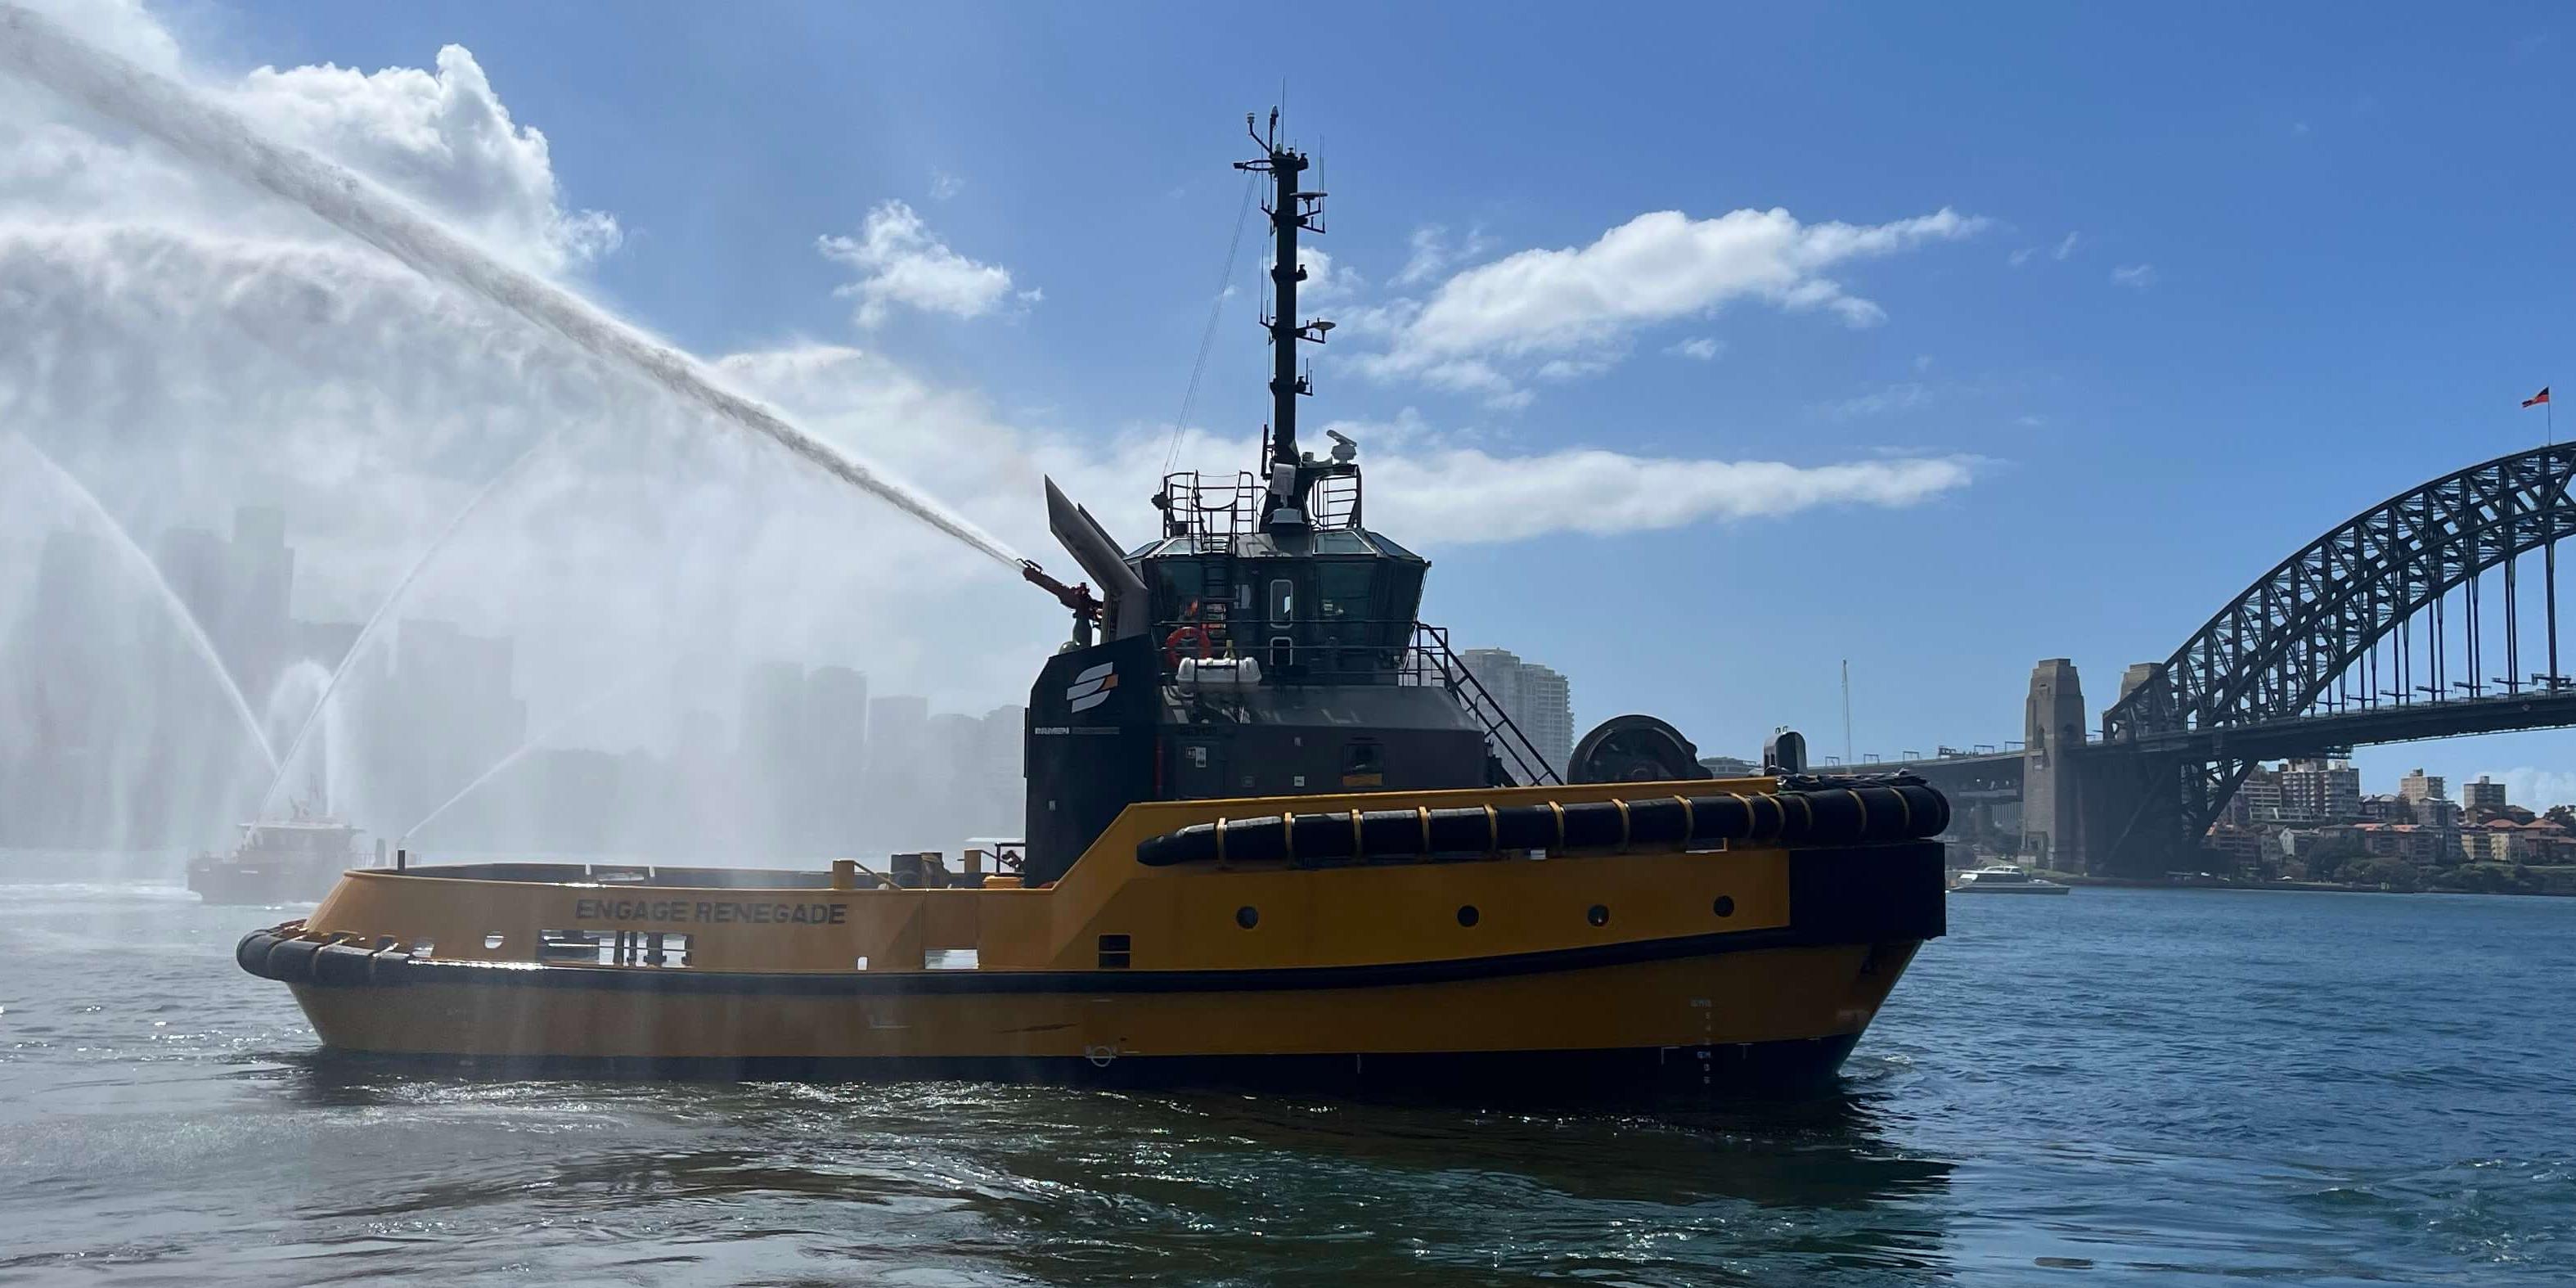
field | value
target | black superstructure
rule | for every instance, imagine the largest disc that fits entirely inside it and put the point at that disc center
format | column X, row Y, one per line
column 1267, row 643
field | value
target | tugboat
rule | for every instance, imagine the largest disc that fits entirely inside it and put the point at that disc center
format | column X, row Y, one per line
column 290, row 861
column 1276, row 834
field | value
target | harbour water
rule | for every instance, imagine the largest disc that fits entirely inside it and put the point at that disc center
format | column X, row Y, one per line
column 2118, row 1086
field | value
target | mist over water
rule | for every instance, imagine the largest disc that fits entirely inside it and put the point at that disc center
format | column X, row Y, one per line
column 448, row 599
column 368, row 633
column 139, row 565
column 295, row 703
column 541, row 739
column 213, row 135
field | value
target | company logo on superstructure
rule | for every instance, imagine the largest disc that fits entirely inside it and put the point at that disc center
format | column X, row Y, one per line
column 1092, row 686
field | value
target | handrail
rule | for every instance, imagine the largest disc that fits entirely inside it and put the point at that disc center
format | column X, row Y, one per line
column 1225, row 510
column 1528, row 765
column 1394, row 651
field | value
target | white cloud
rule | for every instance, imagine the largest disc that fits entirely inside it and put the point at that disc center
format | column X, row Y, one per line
column 944, row 185
column 2533, row 788
column 2135, row 276
column 1698, row 348
column 1922, row 363
column 1900, row 397
column 1326, row 281
column 901, row 262
column 1466, row 376
column 190, row 347
column 199, row 372
column 1433, row 253
column 1464, row 494
column 444, row 139
column 2064, row 249
column 1582, row 303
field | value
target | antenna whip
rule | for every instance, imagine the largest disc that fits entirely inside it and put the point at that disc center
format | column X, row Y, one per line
column 1207, row 337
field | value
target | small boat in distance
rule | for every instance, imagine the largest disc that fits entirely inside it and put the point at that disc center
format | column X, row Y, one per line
column 2004, row 878
column 294, row 860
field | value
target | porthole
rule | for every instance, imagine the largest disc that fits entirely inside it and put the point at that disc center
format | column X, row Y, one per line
column 1725, row 905
column 1247, row 916
column 1598, row 915
column 1467, row 914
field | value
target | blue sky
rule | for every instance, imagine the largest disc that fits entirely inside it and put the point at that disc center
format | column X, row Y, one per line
column 2241, row 271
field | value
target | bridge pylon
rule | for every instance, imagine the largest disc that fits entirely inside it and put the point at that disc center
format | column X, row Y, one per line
column 2052, row 817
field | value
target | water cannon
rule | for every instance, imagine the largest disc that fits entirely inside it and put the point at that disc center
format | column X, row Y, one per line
column 1077, row 597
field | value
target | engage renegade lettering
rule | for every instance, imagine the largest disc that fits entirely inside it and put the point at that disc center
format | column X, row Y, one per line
column 714, row 912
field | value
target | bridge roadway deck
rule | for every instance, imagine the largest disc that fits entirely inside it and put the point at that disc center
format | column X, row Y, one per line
column 2310, row 734
column 1971, row 772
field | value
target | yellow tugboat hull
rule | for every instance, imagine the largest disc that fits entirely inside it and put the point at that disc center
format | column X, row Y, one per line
column 1682, row 968
column 1771, row 1013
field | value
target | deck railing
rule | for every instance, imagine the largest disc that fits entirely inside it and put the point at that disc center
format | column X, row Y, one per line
column 1359, row 651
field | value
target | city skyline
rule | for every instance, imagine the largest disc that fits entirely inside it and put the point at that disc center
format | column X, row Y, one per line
column 435, row 709
column 1983, row 367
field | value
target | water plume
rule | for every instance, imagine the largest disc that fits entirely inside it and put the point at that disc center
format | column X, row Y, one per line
column 548, row 734
column 204, row 130
column 132, row 554
column 384, row 612
column 297, row 698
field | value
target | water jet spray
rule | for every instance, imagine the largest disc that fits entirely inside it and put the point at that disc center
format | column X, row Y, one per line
column 133, row 555
column 202, row 129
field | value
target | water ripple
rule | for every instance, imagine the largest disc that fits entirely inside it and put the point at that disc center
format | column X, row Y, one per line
column 2147, row 1087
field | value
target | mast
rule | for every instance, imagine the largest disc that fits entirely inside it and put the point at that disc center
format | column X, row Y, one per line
column 1291, row 210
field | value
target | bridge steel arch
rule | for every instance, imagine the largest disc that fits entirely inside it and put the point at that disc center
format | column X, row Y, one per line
column 2274, row 650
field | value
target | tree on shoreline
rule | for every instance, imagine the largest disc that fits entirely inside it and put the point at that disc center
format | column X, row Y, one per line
column 2390, row 872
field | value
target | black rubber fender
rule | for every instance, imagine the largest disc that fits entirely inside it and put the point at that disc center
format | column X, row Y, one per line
column 292, row 960
column 1823, row 812
column 340, row 964
column 251, row 954
column 388, row 968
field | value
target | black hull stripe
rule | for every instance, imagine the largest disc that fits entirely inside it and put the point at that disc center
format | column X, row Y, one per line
column 669, row 980
column 1734, row 1068
column 1839, row 897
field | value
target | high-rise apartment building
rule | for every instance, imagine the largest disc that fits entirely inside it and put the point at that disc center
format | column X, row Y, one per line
column 1537, row 698
column 2485, row 794
column 2419, row 787
column 2318, row 791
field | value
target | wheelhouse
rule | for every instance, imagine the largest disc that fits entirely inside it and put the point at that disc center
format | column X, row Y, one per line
column 1336, row 606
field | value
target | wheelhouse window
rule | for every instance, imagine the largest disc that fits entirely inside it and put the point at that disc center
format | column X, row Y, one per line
column 1363, row 764
column 1405, row 583
column 1345, row 592
column 1177, row 583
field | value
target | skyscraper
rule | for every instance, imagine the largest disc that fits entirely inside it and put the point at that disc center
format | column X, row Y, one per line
column 836, row 741
column 2484, row 794
column 897, row 776
column 2320, row 790
column 1537, row 698
column 255, row 627
column 773, row 750
column 2419, row 787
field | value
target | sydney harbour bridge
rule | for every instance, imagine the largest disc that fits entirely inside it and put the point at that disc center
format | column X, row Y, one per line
column 2410, row 620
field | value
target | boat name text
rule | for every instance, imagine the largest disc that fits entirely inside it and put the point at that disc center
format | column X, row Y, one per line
column 712, row 912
